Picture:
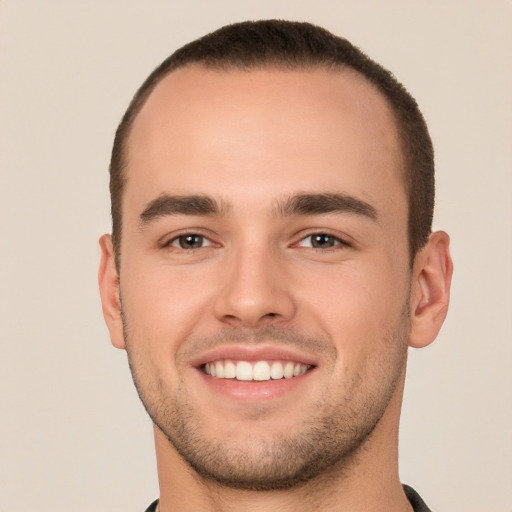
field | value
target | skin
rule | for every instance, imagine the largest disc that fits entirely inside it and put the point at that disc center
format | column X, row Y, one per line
column 257, row 289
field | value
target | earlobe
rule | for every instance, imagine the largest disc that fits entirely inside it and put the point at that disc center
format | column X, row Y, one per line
column 108, row 280
column 430, row 291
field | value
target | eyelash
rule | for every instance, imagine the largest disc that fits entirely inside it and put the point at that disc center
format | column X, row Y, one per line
column 336, row 240
column 170, row 243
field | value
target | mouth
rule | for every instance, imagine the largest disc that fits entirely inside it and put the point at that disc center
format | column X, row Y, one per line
column 262, row 370
column 253, row 374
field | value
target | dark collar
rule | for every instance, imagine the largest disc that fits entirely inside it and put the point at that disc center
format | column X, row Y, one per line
column 417, row 503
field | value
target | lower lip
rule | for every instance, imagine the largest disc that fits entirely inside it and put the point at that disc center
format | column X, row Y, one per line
column 253, row 390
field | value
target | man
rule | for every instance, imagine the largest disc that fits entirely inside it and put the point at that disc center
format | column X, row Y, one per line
column 270, row 262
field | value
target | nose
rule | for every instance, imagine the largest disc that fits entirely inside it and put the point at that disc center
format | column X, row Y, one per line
column 254, row 290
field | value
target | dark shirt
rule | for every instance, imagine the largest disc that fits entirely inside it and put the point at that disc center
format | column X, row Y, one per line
column 417, row 503
column 152, row 507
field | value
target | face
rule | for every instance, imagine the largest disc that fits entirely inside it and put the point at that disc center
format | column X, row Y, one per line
column 264, row 274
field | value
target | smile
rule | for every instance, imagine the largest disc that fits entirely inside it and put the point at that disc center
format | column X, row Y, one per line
column 255, row 371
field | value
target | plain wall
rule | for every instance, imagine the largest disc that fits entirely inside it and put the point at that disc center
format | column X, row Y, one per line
column 73, row 435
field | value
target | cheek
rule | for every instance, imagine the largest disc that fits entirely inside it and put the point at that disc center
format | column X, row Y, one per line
column 357, row 306
column 163, row 304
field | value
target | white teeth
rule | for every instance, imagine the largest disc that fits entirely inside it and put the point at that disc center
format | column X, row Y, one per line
column 288, row 371
column 243, row 370
column 276, row 370
column 219, row 370
column 259, row 371
column 229, row 370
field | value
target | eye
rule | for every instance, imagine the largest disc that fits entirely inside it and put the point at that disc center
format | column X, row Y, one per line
column 189, row 241
column 320, row 241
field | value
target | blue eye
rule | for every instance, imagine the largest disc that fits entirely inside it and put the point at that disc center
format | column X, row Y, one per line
column 190, row 241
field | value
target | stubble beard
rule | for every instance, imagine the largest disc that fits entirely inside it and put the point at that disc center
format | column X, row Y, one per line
column 328, row 443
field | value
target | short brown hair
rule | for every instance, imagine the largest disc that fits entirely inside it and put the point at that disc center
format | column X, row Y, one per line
column 295, row 45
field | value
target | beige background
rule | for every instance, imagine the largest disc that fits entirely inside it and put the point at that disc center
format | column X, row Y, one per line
column 73, row 436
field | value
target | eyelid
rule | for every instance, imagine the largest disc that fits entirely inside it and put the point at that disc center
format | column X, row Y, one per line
column 341, row 240
column 168, row 240
column 174, row 242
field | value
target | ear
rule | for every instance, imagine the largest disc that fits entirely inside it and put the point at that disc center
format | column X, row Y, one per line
column 108, row 279
column 430, row 290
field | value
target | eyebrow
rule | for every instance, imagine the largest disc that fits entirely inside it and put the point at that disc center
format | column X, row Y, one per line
column 166, row 204
column 318, row 204
column 301, row 204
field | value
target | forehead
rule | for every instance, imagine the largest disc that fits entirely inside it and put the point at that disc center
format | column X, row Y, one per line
column 202, row 130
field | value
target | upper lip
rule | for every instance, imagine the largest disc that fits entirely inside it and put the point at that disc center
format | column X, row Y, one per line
column 252, row 353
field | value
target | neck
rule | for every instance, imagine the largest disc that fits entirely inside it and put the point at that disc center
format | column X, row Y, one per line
column 368, row 481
